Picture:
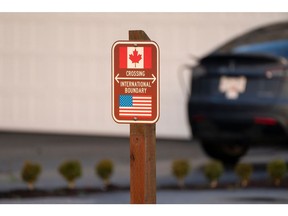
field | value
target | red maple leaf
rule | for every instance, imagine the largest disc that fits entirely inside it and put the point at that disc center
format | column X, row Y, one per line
column 135, row 58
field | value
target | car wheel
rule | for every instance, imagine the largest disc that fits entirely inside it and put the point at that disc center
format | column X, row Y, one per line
column 229, row 152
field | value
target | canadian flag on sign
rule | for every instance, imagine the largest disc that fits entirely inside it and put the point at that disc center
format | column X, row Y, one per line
column 135, row 57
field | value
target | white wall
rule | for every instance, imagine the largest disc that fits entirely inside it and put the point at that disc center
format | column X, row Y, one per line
column 55, row 73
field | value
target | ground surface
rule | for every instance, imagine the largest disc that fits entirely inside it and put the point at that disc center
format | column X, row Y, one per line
column 51, row 150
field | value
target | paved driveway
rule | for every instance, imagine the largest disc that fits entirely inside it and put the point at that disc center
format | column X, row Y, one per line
column 251, row 196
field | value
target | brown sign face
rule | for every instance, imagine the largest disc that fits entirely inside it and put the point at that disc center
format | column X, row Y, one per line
column 135, row 82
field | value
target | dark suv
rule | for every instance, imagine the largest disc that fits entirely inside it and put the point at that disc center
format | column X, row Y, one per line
column 239, row 93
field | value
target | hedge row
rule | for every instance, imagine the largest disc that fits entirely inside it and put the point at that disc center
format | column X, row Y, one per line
column 213, row 170
column 70, row 170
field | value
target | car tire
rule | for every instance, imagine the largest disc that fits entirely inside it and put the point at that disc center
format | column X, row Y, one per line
column 227, row 151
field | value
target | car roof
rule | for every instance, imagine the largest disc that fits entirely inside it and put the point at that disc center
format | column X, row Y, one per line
column 273, row 27
column 276, row 31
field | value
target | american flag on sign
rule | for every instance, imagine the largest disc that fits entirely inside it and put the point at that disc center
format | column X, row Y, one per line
column 130, row 105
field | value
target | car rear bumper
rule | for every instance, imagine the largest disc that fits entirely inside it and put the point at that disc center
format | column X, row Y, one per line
column 261, row 122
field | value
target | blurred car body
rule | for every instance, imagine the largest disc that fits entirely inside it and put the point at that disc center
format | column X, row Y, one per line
column 239, row 93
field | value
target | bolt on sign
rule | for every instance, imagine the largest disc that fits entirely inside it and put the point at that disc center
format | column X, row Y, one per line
column 135, row 82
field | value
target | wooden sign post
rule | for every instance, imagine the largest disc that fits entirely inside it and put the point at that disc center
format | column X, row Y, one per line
column 135, row 101
column 142, row 154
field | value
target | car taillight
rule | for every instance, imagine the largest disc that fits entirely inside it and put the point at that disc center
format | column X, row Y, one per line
column 265, row 121
column 198, row 118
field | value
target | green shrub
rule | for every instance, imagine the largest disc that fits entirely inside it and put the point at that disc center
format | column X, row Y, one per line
column 244, row 172
column 30, row 172
column 212, row 171
column 104, row 169
column 180, row 169
column 277, row 170
column 70, row 170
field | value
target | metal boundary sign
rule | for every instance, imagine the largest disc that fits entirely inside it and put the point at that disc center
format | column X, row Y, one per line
column 135, row 82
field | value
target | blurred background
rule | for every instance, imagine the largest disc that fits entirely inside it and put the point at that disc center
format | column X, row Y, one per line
column 55, row 89
column 55, row 68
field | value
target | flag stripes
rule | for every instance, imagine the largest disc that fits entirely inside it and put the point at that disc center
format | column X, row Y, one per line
column 130, row 105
